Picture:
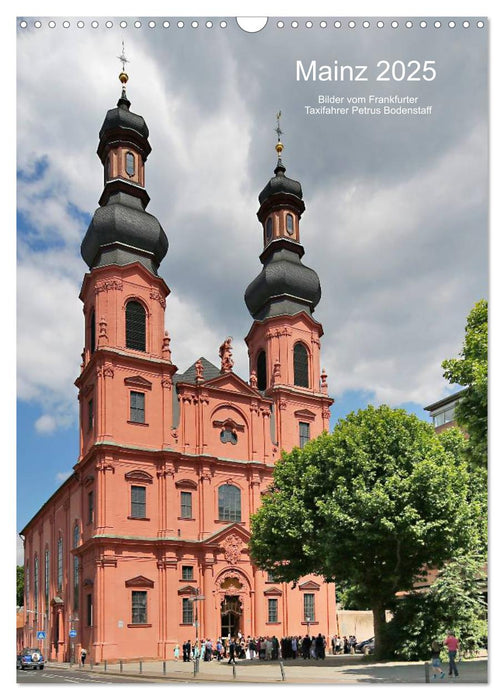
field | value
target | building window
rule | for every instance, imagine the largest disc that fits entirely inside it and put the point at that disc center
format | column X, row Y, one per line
column 309, row 606
column 90, row 507
column 76, row 538
column 304, row 434
column 229, row 503
column 272, row 610
column 300, row 365
column 186, row 504
column 135, row 326
column 188, row 573
column 130, row 164
column 269, row 229
column 228, row 436
column 92, row 333
column 60, row 564
column 35, row 583
column 187, row 611
column 261, row 371
column 139, row 607
column 137, row 407
column 46, row 579
column 90, row 415
column 89, row 609
column 289, row 224
column 446, row 416
column 138, row 494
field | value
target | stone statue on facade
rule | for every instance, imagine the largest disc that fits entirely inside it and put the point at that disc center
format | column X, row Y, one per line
column 226, row 356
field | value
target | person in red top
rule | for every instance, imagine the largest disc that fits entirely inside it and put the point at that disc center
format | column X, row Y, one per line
column 452, row 643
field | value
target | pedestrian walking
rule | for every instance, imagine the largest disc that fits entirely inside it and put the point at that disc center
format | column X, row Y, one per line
column 83, row 655
column 232, row 651
column 436, row 661
column 176, row 652
column 452, row 643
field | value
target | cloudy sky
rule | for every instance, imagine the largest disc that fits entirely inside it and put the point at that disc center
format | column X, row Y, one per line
column 396, row 206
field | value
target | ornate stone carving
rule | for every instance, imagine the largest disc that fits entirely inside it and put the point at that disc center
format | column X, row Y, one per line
column 158, row 297
column 276, row 372
column 102, row 333
column 167, row 383
column 323, row 381
column 108, row 371
column 326, row 413
column 109, row 284
column 225, row 354
column 253, row 379
column 198, row 366
column 166, row 352
column 282, row 405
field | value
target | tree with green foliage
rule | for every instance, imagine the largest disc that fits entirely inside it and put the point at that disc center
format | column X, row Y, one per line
column 455, row 601
column 370, row 506
column 19, row 585
column 470, row 370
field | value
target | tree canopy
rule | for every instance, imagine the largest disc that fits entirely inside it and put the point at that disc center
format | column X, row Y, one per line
column 370, row 507
column 470, row 370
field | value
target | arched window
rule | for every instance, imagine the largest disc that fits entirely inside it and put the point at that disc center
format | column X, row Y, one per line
column 59, row 579
column 130, row 164
column 229, row 503
column 289, row 222
column 269, row 229
column 36, row 583
column 92, row 333
column 261, row 371
column 301, row 365
column 76, row 539
column 135, row 326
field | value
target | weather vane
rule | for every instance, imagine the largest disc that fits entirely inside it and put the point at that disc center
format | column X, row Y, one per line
column 278, row 129
column 123, row 58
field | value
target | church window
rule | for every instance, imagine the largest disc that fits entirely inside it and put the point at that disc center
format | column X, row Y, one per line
column 92, row 333
column 60, row 564
column 309, row 607
column 269, row 229
column 138, row 501
column 76, row 537
column 289, row 224
column 186, row 504
column 228, row 436
column 89, row 609
column 46, row 579
column 139, row 607
column 90, row 507
column 300, row 365
column 188, row 573
column 137, row 407
column 304, row 434
column 135, row 326
column 261, row 371
column 35, row 583
column 187, row 611
column 272, row 609
column 90, row 415
column 130, row 164
column 229, row 503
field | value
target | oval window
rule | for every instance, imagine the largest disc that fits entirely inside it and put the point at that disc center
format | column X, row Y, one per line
column 290, row 224
column 269, row 229
column 130, row 164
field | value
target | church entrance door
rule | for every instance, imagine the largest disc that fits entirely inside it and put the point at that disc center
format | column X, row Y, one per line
column 230, row 616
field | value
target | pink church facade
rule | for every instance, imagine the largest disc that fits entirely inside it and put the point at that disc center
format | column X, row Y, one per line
column 171, row 465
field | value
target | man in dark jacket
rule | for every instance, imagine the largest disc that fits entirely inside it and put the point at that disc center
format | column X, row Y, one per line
column 232, row 651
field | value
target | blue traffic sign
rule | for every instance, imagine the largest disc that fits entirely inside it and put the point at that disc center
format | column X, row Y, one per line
column 40, row 635
column 73, row 633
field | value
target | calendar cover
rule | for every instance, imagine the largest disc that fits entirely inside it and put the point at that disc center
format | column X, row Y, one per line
column 315, row 190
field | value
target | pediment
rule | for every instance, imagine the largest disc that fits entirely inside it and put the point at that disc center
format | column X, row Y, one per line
column 138, row 475
column 186, row 484
column 233, row 529
column 228, row 381
column 230, row 424
column 273, row 591
column 139, row 582
column 187, row 590
column 305, row 413
column 309, row 586
column 138, row 381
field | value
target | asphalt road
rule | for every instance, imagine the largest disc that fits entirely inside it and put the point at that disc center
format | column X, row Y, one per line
column 68, row 675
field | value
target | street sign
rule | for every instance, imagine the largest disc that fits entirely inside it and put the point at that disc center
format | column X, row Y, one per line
column 73, row 633
column 40, row 635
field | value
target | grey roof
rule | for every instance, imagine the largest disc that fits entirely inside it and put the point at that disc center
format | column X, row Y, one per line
column 121, row 117
column 281, row 184
column 210, row 371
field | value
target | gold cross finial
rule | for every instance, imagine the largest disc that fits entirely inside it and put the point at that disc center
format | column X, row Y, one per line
column 279, row 146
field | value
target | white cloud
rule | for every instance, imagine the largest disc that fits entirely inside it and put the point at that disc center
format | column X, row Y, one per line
column 46, row 424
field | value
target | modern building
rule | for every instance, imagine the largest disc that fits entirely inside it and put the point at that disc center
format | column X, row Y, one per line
column 145, row 545
column 442, row 412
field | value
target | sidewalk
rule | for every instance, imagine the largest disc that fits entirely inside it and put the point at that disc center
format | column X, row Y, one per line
column 340, row 669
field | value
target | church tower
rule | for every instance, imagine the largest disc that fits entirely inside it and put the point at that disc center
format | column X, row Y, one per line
column 284, row 341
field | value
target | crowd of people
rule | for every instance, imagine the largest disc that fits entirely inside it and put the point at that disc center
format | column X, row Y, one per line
column 264, row 648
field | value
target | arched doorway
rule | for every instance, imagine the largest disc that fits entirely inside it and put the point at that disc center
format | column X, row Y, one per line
column 231, row 612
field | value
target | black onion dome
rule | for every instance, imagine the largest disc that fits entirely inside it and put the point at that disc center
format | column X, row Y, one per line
column 284, row 286
column 121, row 118
column 281, row 184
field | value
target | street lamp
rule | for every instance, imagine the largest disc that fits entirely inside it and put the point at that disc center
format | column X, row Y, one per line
column 194, row 600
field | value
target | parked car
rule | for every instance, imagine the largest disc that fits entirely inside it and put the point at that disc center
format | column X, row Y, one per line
column 30, row 657
column 365, row 647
